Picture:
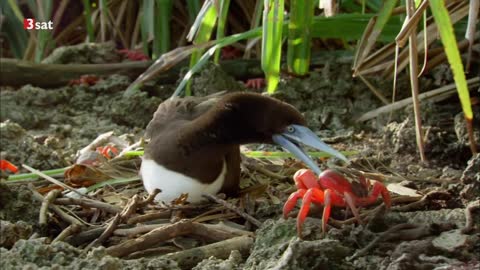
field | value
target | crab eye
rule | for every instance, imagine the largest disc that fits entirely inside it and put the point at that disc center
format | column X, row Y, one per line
column 290, row 129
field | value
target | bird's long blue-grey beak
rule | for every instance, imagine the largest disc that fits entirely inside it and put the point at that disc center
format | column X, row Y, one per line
column 295, row 134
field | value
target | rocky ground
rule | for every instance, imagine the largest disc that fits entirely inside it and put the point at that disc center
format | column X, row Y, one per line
column 44, row 128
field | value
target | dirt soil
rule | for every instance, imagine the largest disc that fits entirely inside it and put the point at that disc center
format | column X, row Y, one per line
column 44, row 128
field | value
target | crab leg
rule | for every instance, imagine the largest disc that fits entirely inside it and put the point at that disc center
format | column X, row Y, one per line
column 306, row 200
column 317, row 196
column 377, row 189
column 350, row 200
column 326, row 210
column 292, row 201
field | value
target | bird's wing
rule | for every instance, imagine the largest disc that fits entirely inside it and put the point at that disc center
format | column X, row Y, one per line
column 174, row 112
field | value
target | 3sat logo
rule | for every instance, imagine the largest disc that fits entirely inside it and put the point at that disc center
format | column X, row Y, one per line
column 30, row 23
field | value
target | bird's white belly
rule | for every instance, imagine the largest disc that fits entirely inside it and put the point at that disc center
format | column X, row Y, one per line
column 173, row 184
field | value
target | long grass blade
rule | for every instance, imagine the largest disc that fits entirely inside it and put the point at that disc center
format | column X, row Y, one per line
column 164, row 62
column 413, row 57
column 44, row 36
column 147, row 24
column 349, row 27
column 102, row 7
column 193, row 7
column 299, row 36
column 433, row 95
column 12, row 28
column 112, row 182
column 447, row 35
column 202, row 30
column 161, row 40
column 256, row 19
column 272, row 41
column 88, row 20
column 281, row 154
column 380, row 22
column 16, row 10
column 219, row 44
column 33, row 176
column 266, row 154
column 222, row 20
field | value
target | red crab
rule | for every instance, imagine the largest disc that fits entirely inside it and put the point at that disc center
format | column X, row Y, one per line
column 85, row 80
column 6, row 165
column 255, row 83
column 230, row 52
column 133, row 55
column 108, row 151
column 332, row 188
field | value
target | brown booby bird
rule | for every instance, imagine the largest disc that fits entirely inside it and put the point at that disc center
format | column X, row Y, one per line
column 195, row 142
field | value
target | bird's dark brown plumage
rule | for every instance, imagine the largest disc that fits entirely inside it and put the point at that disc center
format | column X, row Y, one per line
column 194, row 135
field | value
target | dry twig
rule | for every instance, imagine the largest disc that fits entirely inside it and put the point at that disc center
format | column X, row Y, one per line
column 221, row 250
column 150, row 198
column 376, row 210
column 432, row 195
column 404, row 232
column 89, row 203
column 155, row 236
column 42, row 217
column 66, row 217
column 72, row 229
column 105, row 234
column 150, row 216
column 120, row 217
column 157, row 251
column 130, row 232
column 87, row 236
column 383, row 237
column 53, row 180
column 159, row 233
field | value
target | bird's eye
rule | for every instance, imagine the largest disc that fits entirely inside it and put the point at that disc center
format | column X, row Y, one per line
column 290, row 129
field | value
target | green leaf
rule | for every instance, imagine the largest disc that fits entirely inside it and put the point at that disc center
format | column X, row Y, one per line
column 33, row 176
column 113, row 182
column 272, row 42
column 13, row 5
column 204, row 59
column 222, row 20
column 88, row 20
column 202, row 30
column 281, row 154
column 445, row 28
column 299, row 36
column 266, row 154
column 193, row 7
column 147, row 23
column 12, row 29
column 161, row 41
column 351, row 26
column 44, row 36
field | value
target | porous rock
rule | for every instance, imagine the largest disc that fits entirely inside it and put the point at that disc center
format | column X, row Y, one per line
column 234, row 261
column 278, row 247
column 37, row 254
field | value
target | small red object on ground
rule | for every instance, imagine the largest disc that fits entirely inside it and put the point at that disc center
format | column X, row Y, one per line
column 257, row 83
column 108, row 151
column 6, row 165
column 332, row 188
column 230, row 52
column 85, row 80
column 133, row 55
